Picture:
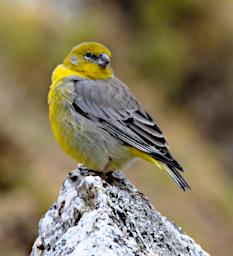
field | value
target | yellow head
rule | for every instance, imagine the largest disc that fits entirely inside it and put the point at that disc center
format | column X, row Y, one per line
column 90, row 59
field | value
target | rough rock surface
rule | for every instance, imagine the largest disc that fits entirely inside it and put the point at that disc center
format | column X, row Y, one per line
column 96, row 217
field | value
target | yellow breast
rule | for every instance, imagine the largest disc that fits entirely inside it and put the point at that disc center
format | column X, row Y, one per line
column 61, row 121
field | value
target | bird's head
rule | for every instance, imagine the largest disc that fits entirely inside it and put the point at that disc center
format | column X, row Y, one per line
column 91, row 59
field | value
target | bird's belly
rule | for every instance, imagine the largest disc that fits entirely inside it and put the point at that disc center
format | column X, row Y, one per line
column 87, row 142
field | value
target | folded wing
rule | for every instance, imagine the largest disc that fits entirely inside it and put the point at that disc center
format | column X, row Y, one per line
column 114, row 107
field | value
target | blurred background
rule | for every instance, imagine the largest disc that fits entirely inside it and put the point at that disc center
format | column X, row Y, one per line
column 177, row 56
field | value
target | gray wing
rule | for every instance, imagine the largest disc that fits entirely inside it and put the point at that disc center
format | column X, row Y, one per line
column 116, row 109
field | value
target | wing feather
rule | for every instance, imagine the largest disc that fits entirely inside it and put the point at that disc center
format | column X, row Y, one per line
column 116, row 109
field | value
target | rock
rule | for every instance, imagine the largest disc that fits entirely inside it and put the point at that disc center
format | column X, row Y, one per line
column 110, row 217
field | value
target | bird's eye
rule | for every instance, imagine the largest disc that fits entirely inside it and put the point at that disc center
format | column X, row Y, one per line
column 88, row 55
column 73, row 60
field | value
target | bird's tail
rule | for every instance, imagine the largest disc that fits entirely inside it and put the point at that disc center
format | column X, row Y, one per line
column 173, row 173
column 169, row 168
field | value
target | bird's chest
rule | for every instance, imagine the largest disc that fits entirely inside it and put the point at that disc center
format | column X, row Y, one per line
column 64, row 123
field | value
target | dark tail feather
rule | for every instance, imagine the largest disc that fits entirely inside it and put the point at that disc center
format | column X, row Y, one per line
column 167, row 159
column 180, row 181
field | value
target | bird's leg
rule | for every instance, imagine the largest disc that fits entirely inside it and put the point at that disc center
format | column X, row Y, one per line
column 105, row 173
column 107, row 165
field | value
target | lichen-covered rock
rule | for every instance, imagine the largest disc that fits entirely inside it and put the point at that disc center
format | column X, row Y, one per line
column 96, row 217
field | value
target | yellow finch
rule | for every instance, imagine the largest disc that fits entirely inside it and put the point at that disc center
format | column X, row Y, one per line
column 98, row 121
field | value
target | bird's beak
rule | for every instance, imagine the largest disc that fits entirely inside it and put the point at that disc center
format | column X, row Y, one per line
column 103, row 60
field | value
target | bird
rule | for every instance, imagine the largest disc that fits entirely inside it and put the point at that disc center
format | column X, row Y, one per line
column 97, row 119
